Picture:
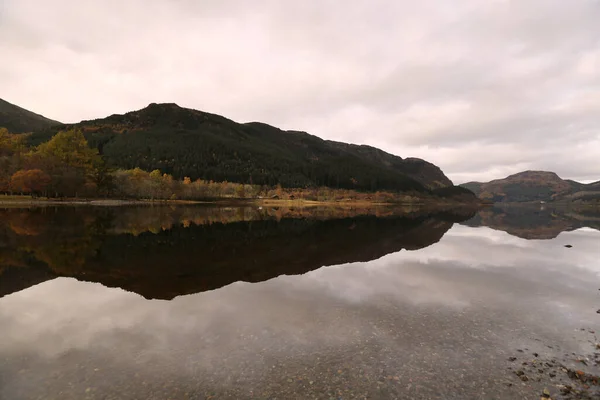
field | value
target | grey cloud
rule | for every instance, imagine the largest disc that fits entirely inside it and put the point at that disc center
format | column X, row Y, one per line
column 479, row 88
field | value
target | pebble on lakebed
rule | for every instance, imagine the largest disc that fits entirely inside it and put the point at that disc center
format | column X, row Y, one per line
column 570, row 383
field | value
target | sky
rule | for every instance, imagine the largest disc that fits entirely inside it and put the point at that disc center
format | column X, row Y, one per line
column 481, row 88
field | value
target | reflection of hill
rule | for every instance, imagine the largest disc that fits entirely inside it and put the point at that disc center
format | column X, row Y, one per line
column 184, row 250
column 535, row 222
column 199, row 258
column 14, row 279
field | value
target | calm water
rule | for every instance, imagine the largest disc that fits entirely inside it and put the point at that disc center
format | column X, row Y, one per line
column 197, row 303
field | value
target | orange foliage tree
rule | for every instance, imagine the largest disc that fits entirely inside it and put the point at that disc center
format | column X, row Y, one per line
column 34, row 181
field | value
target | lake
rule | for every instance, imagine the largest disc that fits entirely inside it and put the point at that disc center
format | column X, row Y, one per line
column 196, row 302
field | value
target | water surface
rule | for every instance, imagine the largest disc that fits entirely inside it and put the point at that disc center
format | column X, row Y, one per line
column 156, row 303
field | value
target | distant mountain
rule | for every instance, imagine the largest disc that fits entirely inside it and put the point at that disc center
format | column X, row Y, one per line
column 190, row 143
column 535, row 186
column 20, row 120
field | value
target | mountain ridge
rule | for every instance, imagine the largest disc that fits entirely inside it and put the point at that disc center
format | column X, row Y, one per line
column 535, row 186
column 191, row 143
column 19, row 120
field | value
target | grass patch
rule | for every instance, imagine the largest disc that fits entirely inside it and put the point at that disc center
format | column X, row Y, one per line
column 14, row 197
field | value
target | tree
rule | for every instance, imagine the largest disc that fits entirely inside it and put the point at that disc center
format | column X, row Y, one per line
column 5, row 173
column 11, row 150
column 5, row 142
column 103, row 180
column 34, row 181
column 240, row 191
column 156, row 184
column 70, row 148
column 70, row 162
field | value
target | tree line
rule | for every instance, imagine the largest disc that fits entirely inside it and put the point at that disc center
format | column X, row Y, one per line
column 64, row 166
column 67, row 167
column 187, row 143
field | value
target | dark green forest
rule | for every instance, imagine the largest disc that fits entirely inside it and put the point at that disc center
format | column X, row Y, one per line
column 189, row 143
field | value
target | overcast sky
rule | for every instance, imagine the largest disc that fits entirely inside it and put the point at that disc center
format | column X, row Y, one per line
column 482, row 88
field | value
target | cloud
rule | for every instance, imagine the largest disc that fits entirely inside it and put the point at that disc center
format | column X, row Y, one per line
column 482, row 89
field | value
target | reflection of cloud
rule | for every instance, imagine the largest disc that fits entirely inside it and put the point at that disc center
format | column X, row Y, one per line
column 489, row 275
column 443, row 273
column 408, row 282
column 500, row 249
column 43, row 313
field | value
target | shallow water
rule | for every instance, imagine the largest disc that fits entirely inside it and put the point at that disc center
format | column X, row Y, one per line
column 157, row 303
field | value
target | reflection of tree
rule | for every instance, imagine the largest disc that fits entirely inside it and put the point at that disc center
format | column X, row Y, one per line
column 26, row 223
column 156, row 219
column 62, row 240
column 66, row 257
column 166, row 251
column 18, row 227
column 205, row 257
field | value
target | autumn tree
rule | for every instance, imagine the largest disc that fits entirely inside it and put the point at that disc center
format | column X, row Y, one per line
column 240, row 191
column 34, row 181
column 11, row 143
column 103, row 180
column 5, row 169
column 156, row 184
column 5, row 142
column 11, row 152
column 70, row 148
column 69, row 161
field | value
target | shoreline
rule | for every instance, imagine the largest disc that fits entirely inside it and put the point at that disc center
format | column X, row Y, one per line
column 27, row 202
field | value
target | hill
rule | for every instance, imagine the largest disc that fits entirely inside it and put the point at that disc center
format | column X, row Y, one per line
column 190, row 143
column 20, row 120
column 535, row 186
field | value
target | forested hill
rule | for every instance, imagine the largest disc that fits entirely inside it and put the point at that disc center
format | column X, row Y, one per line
column 190, row 143
column 20, row 120
column 535, row 186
